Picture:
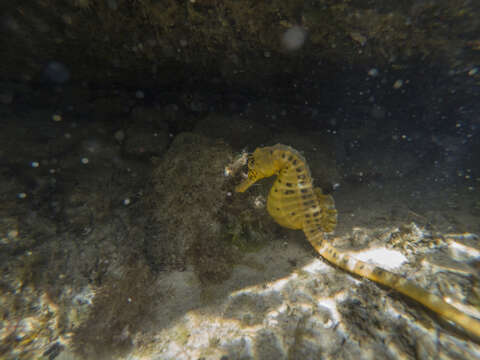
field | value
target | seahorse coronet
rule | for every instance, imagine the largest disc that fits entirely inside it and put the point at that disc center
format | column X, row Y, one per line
column 294, row 203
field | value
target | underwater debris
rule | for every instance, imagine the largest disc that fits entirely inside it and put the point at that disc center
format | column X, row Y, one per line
column 238, row 162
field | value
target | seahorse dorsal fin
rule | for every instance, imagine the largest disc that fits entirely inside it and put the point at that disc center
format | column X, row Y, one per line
column 328, row 211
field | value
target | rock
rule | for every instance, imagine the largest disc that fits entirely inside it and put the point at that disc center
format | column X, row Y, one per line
column 188, row 193
column 147, row 134
column 143, row 139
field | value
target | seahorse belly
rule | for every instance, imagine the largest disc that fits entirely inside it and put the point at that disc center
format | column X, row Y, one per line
column 287, row 198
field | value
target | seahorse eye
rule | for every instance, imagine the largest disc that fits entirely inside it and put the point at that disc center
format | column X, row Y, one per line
column 251, row 160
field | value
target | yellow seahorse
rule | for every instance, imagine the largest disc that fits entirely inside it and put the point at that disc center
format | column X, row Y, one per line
column 294, row 203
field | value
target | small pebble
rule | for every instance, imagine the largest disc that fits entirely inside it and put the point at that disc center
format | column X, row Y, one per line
column 12, row 234
column 398, row 84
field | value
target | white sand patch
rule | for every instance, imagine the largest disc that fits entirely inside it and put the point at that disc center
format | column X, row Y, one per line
column 385, row 258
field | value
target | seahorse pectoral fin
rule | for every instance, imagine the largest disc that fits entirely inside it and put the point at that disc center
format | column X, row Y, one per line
column 244, row 185
column 328, row 211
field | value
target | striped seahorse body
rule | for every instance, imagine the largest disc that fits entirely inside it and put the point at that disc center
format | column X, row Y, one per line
column 294, row 203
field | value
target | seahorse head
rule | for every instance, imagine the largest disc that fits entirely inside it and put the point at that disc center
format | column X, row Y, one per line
column 261, row 164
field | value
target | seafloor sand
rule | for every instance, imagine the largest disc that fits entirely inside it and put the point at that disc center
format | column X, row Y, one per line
column 127, row 243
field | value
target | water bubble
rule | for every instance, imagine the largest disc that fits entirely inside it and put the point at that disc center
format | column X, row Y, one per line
column 294, row 38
